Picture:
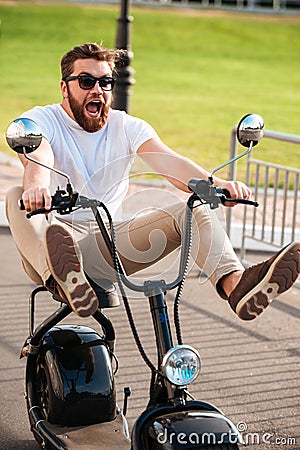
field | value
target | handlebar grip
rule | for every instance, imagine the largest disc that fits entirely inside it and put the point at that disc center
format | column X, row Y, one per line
column 31, row 213
column 21, row 205
column 226, row 193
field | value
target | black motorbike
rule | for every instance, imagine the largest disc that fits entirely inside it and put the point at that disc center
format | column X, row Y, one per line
column 70, row 390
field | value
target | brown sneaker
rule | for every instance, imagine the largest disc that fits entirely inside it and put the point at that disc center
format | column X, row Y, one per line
column 64, row 259
column 261, row 283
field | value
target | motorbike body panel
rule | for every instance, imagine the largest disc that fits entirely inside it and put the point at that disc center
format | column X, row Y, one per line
column 192, row 425
column 76, row 367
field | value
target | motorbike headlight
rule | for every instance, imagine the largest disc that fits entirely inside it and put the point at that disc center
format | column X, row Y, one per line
column 181, row 365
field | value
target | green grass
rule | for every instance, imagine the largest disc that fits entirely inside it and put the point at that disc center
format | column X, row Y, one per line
column 197, row 72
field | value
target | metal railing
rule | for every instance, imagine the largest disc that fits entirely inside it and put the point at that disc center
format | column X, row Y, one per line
column 277, row 188
column 274, row 6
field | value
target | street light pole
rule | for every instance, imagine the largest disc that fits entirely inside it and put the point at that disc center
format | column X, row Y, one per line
column 125, row 73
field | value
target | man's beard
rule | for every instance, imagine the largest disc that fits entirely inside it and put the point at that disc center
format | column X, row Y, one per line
column 88, row 123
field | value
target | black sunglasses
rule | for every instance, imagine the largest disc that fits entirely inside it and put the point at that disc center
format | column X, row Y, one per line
column 87, row 82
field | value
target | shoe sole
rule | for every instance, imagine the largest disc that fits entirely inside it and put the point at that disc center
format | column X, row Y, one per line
column 281, row 275
column 65, row 265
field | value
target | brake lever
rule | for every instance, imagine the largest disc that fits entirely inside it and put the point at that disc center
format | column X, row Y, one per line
column 242, row 201
column 37, row 211
column 42, row 211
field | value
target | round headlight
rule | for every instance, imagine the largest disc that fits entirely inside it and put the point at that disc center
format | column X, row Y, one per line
column 181, row 365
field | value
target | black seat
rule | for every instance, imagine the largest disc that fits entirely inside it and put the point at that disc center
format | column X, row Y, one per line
column 106, row 292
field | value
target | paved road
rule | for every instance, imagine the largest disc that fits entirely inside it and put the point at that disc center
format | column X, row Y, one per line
column 250, row 370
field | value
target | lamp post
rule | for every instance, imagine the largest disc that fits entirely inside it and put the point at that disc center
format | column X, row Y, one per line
column 125, row 73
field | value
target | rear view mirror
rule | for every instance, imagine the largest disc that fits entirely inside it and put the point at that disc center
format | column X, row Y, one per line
column 250, row 130
column 23, row 135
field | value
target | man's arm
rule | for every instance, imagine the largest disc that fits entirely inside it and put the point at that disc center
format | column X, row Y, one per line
column 180, row 170
column 36, row 179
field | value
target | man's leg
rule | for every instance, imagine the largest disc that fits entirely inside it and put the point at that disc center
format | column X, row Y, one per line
column 28, row 235
column 49, row 252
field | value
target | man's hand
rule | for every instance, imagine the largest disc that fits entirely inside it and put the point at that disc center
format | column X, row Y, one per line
column 36, row 198
column 237, row 189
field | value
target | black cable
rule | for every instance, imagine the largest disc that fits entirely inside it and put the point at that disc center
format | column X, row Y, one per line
column 185, row 259
column 119, row 271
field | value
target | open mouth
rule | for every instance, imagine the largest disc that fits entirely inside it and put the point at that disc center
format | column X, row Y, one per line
column 93, row 108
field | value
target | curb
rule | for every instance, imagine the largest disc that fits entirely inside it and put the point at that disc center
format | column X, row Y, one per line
column 7, row 160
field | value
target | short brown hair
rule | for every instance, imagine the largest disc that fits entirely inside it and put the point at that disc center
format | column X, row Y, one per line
column 89, row 51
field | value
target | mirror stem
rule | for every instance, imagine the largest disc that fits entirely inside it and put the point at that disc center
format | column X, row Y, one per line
column 69, row 186
column 232, row 160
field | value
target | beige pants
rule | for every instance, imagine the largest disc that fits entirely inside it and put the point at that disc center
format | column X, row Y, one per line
column 140, row 241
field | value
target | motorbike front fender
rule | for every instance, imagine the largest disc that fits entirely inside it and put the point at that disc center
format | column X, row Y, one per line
column 185, row 427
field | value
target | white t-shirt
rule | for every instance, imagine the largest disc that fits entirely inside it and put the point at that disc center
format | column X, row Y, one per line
column 98, row 164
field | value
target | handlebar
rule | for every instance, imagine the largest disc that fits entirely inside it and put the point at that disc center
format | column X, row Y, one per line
column 65, row 203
